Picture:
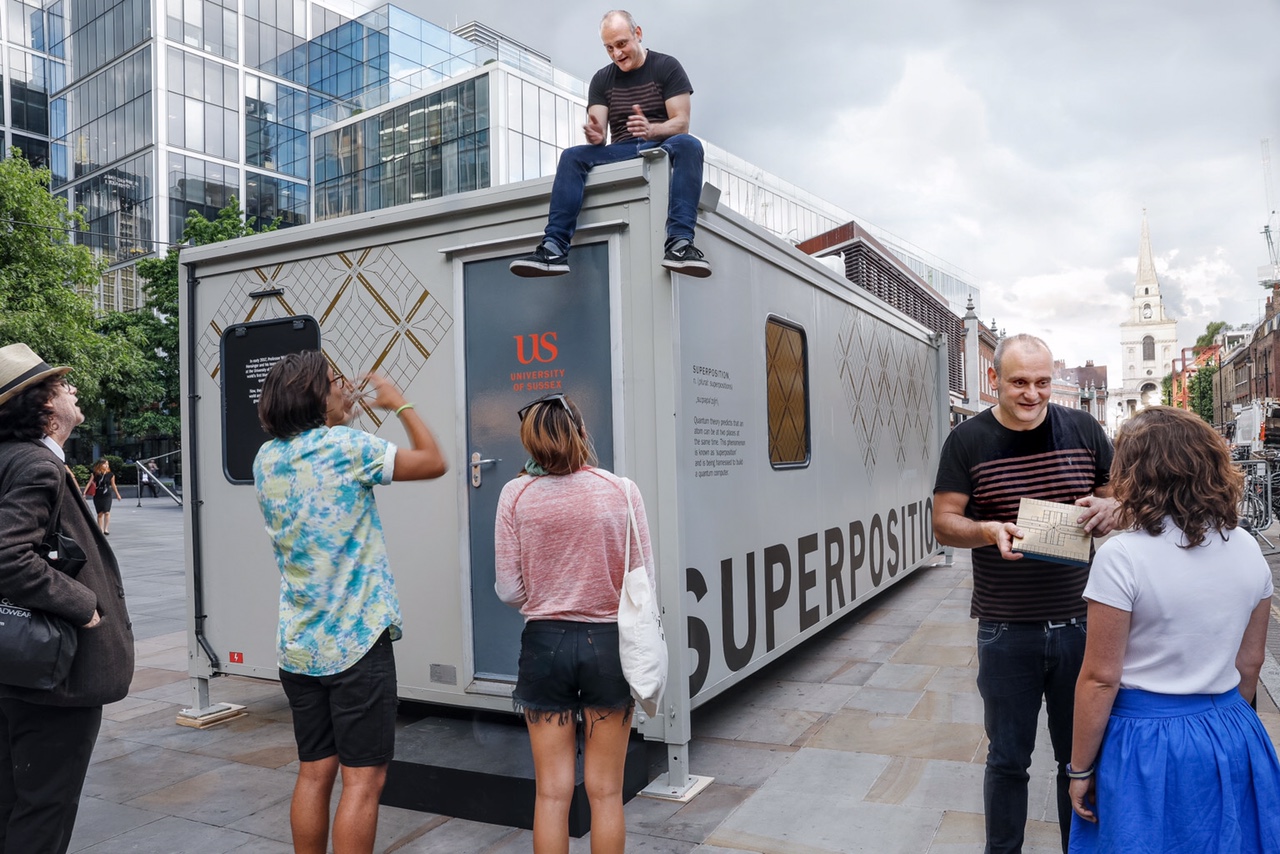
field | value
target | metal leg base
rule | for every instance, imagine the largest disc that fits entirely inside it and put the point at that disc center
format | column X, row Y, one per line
column 661, row 790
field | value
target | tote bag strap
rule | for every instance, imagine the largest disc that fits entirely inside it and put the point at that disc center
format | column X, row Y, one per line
column 633, row 527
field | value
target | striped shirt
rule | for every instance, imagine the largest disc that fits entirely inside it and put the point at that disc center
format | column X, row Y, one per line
column 1063, row 459
column 649, row 86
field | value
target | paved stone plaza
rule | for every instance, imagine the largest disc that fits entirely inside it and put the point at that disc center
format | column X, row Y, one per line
column 869, row 738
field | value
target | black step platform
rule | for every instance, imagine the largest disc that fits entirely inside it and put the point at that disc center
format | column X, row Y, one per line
column 481, row 769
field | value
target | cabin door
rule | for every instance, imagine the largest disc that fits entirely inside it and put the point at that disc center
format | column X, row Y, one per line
column 525, row 338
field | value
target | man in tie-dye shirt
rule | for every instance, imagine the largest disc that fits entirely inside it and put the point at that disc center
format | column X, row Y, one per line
column 338, row 607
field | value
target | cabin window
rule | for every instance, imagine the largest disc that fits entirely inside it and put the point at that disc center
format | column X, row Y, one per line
column 787, row 382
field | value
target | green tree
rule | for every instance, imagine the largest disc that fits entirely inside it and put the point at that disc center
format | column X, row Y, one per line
column 160, row 325
column 1201, row 388
column 1210, row 332
column 42, row 275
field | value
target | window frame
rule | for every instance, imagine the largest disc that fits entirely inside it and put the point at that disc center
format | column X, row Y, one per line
column 787, row 324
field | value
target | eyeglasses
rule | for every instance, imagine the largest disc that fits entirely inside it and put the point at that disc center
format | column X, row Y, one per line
column 557, row 397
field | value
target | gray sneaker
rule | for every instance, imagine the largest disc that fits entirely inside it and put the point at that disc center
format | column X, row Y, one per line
column 546, row 260
column 683, row 257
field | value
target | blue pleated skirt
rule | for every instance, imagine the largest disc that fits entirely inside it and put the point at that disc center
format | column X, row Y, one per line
column 1190, row 774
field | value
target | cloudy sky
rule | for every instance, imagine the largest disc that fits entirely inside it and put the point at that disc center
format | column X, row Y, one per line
column 1018, row 140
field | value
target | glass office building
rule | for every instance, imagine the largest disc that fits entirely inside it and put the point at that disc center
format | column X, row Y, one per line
column 145, row 110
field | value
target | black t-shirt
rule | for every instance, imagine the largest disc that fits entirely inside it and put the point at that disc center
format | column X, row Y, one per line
column 1063, row 459
column 661, row 77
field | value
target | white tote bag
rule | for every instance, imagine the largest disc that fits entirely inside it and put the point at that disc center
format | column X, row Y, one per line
column 641, row 642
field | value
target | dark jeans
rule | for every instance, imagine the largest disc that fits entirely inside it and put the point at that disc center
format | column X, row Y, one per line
column 44, row 755
column 571, row 178
column 1018, row 665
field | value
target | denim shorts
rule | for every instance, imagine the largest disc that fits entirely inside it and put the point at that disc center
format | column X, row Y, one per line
column 351, row 714
column 566, row 667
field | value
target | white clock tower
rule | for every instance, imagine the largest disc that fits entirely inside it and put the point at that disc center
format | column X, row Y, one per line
column 1148, row 339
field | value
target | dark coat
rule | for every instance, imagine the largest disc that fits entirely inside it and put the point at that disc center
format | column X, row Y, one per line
column 30, row 474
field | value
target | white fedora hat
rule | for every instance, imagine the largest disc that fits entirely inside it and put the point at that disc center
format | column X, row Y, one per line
column 20, row 367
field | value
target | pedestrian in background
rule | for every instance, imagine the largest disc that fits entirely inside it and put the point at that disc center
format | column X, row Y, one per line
column 1168, row 755
column 47, row 736
column 104, row 489
column 339, row 611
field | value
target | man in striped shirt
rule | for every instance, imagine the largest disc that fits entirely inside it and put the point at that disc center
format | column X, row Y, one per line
column 640, row 101
column 1030, row 612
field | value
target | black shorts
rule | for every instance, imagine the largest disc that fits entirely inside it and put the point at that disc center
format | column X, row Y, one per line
column 351, row 714
column 566, row 667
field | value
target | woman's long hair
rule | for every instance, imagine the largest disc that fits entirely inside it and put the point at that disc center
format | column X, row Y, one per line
column 1170, row 463
column 556, row 438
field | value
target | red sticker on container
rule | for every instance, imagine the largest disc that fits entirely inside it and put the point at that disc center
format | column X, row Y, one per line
column 236, row 657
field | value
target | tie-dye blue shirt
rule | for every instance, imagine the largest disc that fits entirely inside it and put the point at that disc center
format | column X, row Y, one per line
column 337, row 594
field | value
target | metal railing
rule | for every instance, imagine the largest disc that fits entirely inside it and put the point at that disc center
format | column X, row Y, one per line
column 153, row 479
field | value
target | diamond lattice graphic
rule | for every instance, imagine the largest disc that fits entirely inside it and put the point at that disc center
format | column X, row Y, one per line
column 374, row 313
column 887, row 380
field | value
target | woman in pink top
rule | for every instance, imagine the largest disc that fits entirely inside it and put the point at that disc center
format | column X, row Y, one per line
column 560, row 541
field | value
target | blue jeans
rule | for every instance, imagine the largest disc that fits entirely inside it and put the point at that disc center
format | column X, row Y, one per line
column 571, row 178
column 1018, row 665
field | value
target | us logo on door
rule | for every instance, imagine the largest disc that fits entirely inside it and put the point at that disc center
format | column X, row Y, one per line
column 533, row 349
column 542, row 348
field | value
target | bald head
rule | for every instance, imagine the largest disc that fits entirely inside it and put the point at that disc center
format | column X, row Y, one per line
column 621, row 17
column 1020, row 342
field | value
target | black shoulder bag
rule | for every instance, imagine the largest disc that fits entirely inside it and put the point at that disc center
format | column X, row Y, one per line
column 37, row 648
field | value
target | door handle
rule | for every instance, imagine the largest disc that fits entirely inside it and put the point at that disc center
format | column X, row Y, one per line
column 476, row 463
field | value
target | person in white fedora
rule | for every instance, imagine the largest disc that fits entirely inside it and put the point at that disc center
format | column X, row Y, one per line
column 47, row 736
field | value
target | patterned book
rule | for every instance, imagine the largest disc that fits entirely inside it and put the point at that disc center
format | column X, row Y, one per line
column 1051, row 532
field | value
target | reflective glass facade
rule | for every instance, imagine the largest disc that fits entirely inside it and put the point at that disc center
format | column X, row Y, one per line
column 273, row 29
column 494, row 127
column 268, row 198
column 118, row 209
column 277, row 121
column 207, row 25
column 103, row 118
column 104, row 30
column 197, row 116
column 540, row 124
column 198, row 185
column 31, row 78
column 424, row 148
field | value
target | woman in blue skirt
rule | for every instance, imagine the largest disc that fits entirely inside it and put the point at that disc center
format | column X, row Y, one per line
column 1167, row 755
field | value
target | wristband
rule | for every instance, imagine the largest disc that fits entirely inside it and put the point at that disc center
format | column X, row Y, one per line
column 403, row 408
column 1079, row 775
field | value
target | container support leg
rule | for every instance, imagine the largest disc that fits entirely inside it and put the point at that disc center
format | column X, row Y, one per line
column 677, row 784
column 202, row 712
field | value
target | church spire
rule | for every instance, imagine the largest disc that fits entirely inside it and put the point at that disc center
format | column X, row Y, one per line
column 1147, row 283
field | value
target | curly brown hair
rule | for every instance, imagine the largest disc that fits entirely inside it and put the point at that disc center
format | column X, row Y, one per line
column 26, row 415
column 1170, row 463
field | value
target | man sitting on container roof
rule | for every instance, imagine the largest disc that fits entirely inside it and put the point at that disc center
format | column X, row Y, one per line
column 644, row 97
